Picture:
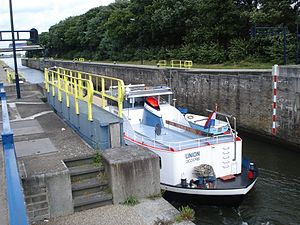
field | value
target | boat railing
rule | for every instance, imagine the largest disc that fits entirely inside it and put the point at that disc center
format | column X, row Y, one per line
column 160, row 144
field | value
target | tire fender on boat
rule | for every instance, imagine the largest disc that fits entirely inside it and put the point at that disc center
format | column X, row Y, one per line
column 190, row 117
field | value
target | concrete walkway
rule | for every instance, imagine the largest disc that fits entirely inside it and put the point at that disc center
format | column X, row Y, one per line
column 147, row 212
column 42, row 141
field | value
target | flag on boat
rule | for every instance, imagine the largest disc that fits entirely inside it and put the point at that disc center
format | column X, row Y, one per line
column 211, row 120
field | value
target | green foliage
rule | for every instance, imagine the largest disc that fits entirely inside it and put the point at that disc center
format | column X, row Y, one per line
column 186, row 213
column 131, row 201
column 204, row 31
column 98, row 159
column 238, row 50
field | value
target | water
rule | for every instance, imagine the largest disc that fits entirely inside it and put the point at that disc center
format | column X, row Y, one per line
column 275, row 199
column 31, row 75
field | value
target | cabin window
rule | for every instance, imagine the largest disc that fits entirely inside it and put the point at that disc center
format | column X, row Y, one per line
column 139, row 102
column 163, row 99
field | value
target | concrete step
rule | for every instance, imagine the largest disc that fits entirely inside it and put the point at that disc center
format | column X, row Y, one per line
column 80, row 173
column 80, row 161
column 92, row 201
column 88, row 186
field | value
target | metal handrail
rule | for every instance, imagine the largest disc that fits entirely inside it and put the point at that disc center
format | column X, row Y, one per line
column 101, row 83
column 80, row 89
column 181, row 63
column 179, row 145
column 15, row 198
column 10, row 76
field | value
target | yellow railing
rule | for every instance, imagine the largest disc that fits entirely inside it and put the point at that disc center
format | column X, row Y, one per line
column 94, row 86
column 11, row 77
column 79, row 59
column 162, row 63
column 182, row 63
column 188, row 64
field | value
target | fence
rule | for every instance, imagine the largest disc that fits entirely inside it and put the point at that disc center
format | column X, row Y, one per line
column 15, row 198
column 187, row 64
column 11, row 76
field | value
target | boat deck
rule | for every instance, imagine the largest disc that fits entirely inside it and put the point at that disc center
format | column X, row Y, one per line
column 240, row 181
column 174, row 139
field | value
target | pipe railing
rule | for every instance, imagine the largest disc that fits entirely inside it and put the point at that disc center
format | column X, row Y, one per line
column 100, row 85
column 80, row 89
column 15, row 198
column 178, row 145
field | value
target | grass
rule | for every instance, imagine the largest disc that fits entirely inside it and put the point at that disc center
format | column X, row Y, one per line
column 186, row 213
column 97, row 159
column 131, row 201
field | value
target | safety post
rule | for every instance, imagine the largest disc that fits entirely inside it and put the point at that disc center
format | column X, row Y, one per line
column 89, row 90
column 73, row 81
column 52, row 79
column 275, row 74
column 103, row 92
column 67, row 91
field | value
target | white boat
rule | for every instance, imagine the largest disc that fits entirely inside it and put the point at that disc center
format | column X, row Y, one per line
column 205, row 169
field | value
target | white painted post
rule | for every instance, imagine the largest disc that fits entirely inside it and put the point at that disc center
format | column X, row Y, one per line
column 275, row 74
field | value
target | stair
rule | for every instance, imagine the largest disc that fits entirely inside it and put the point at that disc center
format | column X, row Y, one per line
column 89, row 183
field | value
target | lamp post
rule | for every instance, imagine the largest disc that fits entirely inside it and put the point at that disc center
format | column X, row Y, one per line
column 14, row 51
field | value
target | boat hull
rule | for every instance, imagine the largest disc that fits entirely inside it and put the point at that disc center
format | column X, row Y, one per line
column 216, row 200
column 224, row 197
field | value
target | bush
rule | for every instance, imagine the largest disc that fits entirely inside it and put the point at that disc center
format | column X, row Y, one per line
column 186, row 213
column 238, row 50
column 131, row 200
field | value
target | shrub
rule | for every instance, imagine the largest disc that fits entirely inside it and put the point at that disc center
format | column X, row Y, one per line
column 131, row 200
column 238, row 50
column 186, row 213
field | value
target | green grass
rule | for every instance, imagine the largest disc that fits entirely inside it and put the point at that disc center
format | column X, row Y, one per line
column 97, row 159
column 131, row 201
column 186, row 213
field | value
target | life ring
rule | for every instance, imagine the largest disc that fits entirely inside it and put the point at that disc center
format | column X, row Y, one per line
column 190, row 117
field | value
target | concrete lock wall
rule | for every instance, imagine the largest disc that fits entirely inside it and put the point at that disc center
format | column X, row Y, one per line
column 246, row 94
column 288, row 103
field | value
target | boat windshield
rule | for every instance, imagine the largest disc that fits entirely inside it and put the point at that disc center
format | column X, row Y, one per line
column 140, row 101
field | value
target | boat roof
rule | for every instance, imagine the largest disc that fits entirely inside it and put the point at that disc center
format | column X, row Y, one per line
column 140, row 90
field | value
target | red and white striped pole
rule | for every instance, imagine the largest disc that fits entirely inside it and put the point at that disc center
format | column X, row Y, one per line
column 275, row 74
